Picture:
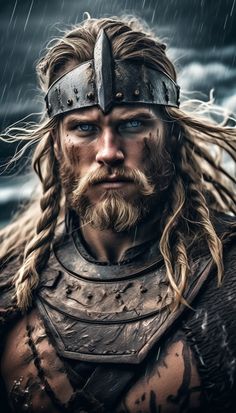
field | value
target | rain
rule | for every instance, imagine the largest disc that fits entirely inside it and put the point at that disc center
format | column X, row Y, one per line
column 201, row 40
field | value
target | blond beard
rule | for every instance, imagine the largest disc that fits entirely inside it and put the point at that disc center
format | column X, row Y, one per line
column 112, row 211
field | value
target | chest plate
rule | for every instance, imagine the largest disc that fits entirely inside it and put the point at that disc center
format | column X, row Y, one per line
column 109, row 313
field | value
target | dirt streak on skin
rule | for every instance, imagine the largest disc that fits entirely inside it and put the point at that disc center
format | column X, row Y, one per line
column 153, row 403
column 171, row 382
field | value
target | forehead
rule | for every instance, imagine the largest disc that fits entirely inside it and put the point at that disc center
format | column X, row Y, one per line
column 117, row 112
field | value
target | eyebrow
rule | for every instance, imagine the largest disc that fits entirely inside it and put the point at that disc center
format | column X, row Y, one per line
column 122, row 117
column 147, row 115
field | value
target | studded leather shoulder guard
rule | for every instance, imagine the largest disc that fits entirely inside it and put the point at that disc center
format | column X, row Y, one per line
column 109, row 313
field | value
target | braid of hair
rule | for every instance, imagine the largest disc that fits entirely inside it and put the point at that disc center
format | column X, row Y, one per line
column 37, row 251
column 203, row 220
column 182, row 268
column 200, row 209
column 175, row 272
column 188, row 195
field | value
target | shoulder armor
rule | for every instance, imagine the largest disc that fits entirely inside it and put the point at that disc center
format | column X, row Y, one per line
column 8, row 308
column 112, row 313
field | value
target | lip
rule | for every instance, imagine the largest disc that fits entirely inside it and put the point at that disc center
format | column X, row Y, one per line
column 114, row 182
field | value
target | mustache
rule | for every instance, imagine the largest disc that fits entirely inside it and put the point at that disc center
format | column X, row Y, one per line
column 122, row 173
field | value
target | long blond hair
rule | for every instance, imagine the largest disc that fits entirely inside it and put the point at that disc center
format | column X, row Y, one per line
column 201, row 183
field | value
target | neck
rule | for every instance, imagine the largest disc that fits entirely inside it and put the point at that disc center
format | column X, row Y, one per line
column 110, row 246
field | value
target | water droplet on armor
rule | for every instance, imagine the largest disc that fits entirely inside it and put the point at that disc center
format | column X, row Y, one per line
column 68, row 290
column 90, row 96
column 158, row 298
column 143, row 289
column 119, row 95
column 70, row 102
column 49, row 108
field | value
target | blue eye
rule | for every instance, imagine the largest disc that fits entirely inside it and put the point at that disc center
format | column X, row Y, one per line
column 131, row 124
column 85, row 127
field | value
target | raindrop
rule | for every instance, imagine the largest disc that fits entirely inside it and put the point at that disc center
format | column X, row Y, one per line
column 3, row 92
column 232, row 8
column 226, row 19
column 14, row 24
column 153, row 14
column 18, row 94
column 28, row 15
column 13, row 12
column 11, row 79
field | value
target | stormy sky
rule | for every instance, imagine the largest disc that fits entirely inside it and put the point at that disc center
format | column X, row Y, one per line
column 200, row 34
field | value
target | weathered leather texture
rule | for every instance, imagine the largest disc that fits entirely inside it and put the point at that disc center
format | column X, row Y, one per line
column 109, row 313
column 210, row 327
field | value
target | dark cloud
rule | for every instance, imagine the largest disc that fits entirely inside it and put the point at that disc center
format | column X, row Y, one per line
column 205, row 69
column 201, row 35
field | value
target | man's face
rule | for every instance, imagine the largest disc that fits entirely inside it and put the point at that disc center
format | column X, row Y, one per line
column 110, row 161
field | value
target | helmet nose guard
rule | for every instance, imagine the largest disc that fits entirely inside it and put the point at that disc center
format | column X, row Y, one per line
column 103, row 67
column 105, row 82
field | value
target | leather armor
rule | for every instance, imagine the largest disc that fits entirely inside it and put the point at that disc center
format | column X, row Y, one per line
column 80, row 302
column 109, row 313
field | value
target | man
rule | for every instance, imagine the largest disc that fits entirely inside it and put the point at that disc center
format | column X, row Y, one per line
column 109, row 292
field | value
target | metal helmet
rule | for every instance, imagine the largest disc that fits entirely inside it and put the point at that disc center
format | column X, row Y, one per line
column 105, row 82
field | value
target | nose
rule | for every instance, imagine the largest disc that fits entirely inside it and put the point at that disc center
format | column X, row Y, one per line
column 109, row 149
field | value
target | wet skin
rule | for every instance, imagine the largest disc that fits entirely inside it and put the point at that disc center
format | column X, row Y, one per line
column 36, row 377
column 170, row 385
column 89, row 139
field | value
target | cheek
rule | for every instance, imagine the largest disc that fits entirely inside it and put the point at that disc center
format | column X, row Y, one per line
column 158, row 163
column 134, row 153
column 150, row 153
column 76, row 153
column 71, row 151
